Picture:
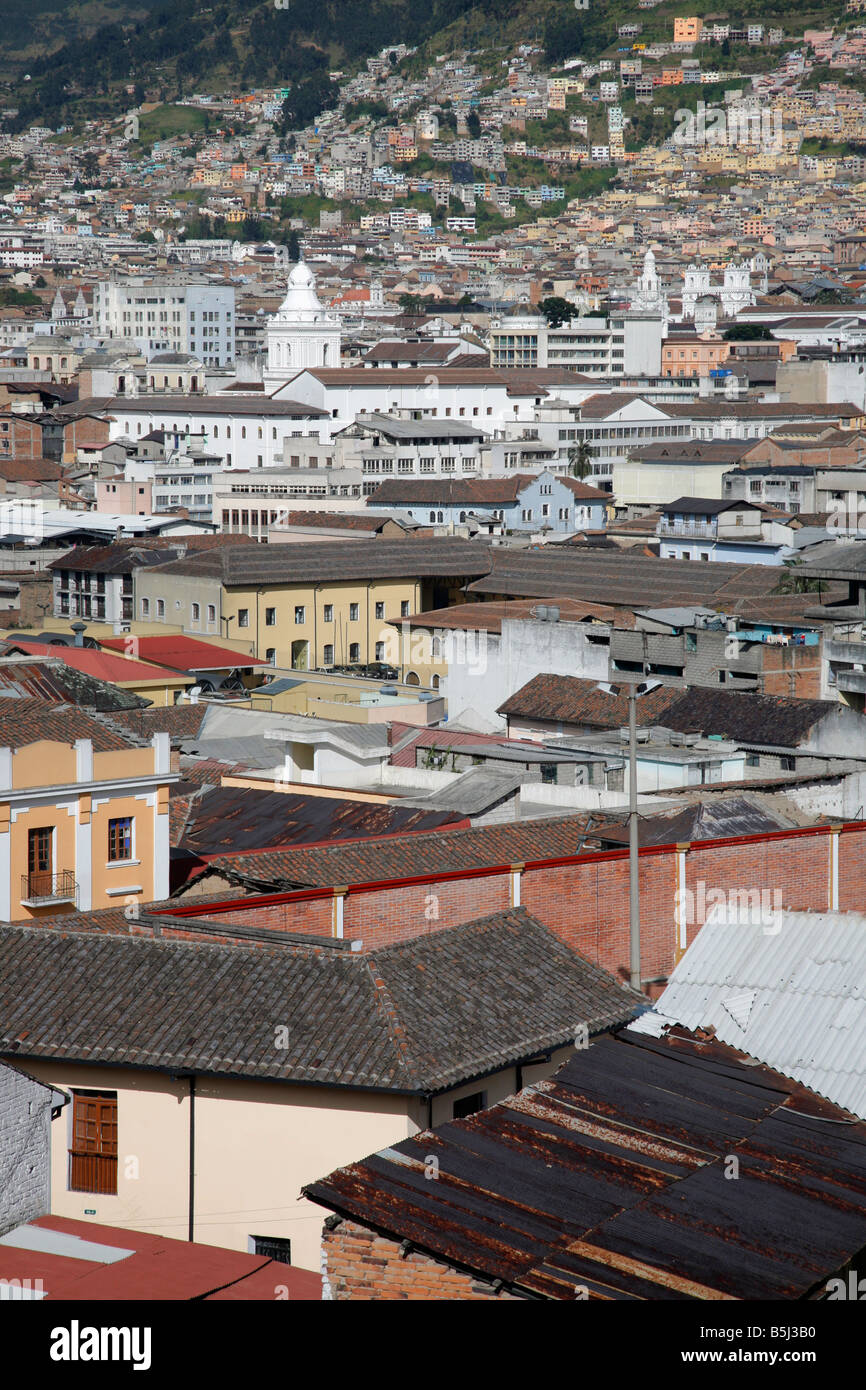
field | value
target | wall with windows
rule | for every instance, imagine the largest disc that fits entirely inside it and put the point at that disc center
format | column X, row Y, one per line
column 82, row 829
column 257, row 1143
column 336, row 624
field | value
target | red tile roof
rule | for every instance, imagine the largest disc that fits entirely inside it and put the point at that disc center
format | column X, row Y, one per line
column 183, row 653
column 104, row 666
column 156, row 1268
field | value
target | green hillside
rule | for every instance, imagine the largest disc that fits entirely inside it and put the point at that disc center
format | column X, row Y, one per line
column 80, row 58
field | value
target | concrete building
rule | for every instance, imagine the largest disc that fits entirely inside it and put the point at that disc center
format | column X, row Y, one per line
column 165, row 315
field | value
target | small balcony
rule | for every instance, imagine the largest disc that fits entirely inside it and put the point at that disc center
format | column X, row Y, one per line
column 45, row 888
column 703, row 529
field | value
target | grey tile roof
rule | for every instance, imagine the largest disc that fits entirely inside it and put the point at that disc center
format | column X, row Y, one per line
column 417, row 1017
column 322, row 561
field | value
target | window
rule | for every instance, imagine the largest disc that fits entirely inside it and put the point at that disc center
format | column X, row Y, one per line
column 404, row 608
column 468, row 1105
column 300, row 613
column 271, row 655
column 272, row 1248
column 243, row 617
column 380, row 651
column 353, row 612
column 354, row 651
column 40, row 853
column 270, row 617
column 93, row 1156
column 160, row 607
column 380, row 610
column 788, row 764
column 211, row 613
column 196, row 612
column 120, row 839
column 145, row 607
column 753, row 760
column 328, row 654
column 328, row 613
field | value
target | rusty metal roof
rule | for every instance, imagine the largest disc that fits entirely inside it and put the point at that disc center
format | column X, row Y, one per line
column 613, row 1176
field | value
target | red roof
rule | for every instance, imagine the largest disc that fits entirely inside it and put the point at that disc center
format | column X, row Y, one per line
column 184, row 653
column 156, row 1268
column 105, row 666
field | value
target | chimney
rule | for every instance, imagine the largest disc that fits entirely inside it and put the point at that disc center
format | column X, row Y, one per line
column 79, row 629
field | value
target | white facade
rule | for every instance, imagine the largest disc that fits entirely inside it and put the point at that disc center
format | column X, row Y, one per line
column 301, row 333
column 734, row 293
column 166, row 316
column 245, row 432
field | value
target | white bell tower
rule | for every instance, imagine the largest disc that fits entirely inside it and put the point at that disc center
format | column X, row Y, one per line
column 301, row 333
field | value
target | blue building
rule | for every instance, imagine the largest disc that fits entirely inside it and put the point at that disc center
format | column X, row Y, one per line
column 523, row 502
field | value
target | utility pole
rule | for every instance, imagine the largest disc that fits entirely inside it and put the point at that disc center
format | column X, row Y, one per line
column 633, row 888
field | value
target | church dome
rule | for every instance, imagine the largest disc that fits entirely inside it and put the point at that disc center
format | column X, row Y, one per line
column 301, row 301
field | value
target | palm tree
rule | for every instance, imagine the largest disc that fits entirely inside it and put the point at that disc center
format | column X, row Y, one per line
column 580, row 459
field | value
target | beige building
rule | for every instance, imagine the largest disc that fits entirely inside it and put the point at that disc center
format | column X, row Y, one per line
column 221, row 1076
column 315, row 606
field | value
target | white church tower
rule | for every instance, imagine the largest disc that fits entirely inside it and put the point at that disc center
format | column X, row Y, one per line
column 301, row 333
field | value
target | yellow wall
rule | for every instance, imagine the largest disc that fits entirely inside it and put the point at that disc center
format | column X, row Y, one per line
column 340, row 632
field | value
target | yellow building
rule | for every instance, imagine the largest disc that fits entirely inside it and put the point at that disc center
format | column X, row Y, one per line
column 316, row 606
column 81, row 826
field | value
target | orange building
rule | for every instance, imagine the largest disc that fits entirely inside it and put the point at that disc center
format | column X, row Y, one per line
column 688, row 30
column 689, row 355
column 82, row 828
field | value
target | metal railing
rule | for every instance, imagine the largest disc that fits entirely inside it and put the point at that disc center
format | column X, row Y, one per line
column 46, row 887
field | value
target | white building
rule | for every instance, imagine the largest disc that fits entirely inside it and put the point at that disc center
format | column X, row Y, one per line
column 301, row 333
column 733, row 294
column 168, row 316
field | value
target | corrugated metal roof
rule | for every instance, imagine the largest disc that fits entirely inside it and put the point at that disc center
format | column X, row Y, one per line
column 789, row 989
column 612, row 1176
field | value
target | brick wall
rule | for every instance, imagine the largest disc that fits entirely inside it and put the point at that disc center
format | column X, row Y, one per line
column 359, row 1264
column 585, row 900
column 792, row 670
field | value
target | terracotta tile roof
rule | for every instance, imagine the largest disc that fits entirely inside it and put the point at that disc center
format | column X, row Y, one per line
column 418, row 1017
column 179, row 721
column 27, row 721
column 575, row 700
column 412, row 856
column 776, row 720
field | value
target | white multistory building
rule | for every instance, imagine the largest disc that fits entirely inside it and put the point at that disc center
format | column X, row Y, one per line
column 163, row 315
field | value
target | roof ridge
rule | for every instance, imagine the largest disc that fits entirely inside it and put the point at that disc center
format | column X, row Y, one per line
column 388, row 1009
